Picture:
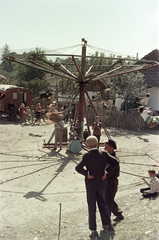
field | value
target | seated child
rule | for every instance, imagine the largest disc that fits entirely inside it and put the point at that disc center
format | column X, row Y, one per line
column 144, row 100
column 28, row 111
column 146, row 114
column 153, row 189
column 53, row 115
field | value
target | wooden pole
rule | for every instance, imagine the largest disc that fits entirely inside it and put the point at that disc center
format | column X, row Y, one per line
column 82, row 88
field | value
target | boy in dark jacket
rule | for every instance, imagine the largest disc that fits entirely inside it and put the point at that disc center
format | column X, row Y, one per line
column 112, row 183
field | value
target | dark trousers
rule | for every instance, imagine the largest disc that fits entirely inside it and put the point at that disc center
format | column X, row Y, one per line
column 148, row 195
column 111, row 189
column 98, row 137
column 96, row 194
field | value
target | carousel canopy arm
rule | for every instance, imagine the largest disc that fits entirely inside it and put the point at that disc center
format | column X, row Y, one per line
column 38, row 66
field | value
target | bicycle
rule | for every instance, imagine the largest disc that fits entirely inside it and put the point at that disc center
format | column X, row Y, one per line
column 41, row 118
column 15, row 117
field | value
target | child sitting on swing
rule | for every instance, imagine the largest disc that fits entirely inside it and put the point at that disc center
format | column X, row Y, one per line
column 147, row 116
column 143, row 101
column 53, row 115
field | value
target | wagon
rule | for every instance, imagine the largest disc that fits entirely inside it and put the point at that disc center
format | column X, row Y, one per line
column 16, row 94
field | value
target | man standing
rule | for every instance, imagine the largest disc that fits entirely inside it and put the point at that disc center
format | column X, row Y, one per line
column 95, row 163
column 11, row 109
column 59, row 126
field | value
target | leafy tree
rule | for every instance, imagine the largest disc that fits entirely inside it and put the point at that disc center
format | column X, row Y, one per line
column 5, row 66
column 29, row 77
column 127, row 87
column 67, row 85
column 99, row 61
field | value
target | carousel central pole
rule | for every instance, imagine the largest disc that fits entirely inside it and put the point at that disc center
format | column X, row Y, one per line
column 82, row 86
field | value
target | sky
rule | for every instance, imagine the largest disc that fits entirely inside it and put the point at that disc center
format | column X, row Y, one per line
column 126, row 27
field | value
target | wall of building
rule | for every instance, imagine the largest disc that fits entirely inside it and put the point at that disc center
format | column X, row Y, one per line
column 153, row 102
column 18, row 95
column 154, row 99
column 118, row 103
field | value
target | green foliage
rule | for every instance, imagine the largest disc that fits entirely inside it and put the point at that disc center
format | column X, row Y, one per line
column 131, row 103
column 99, row 61
column 127, row 87
column 22, row 75
column 67, row 85
column 31, row 78
column 5, row 66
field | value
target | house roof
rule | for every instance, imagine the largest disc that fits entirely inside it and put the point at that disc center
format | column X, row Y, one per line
column 7, row 86
column 151, row 75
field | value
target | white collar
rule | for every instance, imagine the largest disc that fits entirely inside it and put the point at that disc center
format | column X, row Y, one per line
column 93, row 149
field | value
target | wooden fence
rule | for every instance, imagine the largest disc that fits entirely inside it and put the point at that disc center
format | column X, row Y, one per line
column 111, row 118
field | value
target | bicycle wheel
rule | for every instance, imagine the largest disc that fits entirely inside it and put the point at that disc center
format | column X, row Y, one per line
column 28, row 118
column 15, row 117
column 33, row 119
column 44, row 119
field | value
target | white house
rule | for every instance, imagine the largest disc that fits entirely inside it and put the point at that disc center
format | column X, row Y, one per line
column 151, row 76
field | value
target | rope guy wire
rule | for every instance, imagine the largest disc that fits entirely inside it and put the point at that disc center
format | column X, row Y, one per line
column 102, row 49
column 64, row 49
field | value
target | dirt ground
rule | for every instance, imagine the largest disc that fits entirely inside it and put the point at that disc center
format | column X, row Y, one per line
column 35, row 182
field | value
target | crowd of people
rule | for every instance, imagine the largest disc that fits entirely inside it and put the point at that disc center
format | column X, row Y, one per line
column 101, row 168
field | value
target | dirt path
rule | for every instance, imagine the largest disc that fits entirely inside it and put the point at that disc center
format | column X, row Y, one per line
column 35, row 181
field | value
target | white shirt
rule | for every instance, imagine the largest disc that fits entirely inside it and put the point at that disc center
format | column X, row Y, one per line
column 145, row 101
column 154, row 185
column 145, row 114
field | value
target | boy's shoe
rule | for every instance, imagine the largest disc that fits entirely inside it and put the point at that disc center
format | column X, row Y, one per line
column 108, row 227
column 119, row 218
column 93, row 234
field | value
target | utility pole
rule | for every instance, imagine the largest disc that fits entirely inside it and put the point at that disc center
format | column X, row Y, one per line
column 82, row 86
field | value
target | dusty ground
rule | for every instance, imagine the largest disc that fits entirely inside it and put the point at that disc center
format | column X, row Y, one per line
column 34, row 181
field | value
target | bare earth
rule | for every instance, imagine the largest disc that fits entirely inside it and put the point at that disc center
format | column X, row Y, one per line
column 35, row 182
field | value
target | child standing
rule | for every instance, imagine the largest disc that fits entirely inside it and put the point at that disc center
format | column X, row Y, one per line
column 112, row 183
column 22, row 110
column 38, row 112
column 153, row 189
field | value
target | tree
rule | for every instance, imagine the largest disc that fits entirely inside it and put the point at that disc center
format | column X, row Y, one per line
column 127, row 87
column 29, row 77
column 67, row 85
column 5, row 66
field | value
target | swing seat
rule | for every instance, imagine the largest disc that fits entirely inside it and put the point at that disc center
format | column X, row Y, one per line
column 152, row 124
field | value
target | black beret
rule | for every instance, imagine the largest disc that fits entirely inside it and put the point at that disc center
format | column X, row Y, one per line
column 112, row 142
